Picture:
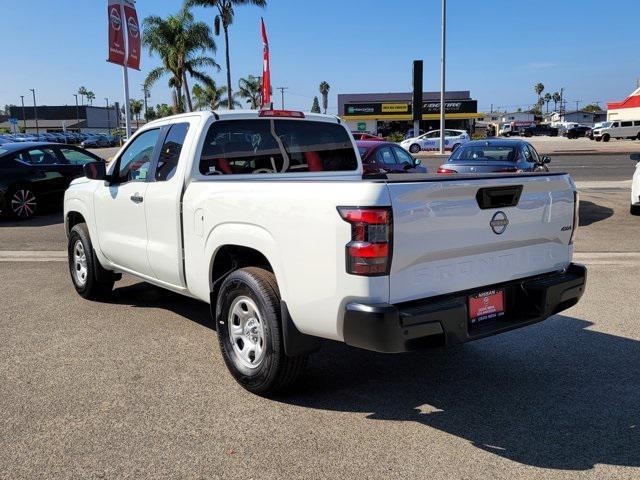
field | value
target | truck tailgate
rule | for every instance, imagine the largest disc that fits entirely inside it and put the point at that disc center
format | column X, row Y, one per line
column 462, row 233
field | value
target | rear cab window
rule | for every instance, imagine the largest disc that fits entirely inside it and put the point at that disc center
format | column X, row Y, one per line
column 267, row 146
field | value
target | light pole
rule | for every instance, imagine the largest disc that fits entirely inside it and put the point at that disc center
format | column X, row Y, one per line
column 35, row 109
column 108, row 117
column 145, row 92
column 77, row 112
column 443, row 50
column 24, row 116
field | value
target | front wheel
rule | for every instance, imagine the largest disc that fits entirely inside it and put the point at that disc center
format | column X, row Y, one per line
column 250, row 333
column 606, row 137
column 90, row 279
column 414, row 148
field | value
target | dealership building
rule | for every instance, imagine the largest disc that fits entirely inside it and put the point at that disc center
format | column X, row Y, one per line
column 58, row 118
column 385, row 113
column 628, row 109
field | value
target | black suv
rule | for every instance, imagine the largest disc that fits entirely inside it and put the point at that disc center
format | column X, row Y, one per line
column 540, row 130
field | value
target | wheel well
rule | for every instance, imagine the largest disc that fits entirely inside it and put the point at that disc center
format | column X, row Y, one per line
column 230, row 258
column 74, row 218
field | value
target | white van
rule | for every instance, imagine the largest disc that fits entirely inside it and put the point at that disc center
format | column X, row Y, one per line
column 617, row 129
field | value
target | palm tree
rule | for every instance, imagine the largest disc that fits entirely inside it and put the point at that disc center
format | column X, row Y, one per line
column 250, row 88
column 82, row 91
column 315, row 106
column 539, row 88
column 211, row 96
column 225, row 17
column 136, row 109
column 178, row 40
column 90, row 97
column 324, row 91
column 547, row 98
column 556, row 97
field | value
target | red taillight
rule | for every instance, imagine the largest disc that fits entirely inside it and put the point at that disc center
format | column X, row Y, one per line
column 281, row 113
column 446, row 170
column 369, row 251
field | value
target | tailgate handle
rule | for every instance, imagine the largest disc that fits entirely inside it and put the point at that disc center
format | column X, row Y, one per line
column 498, row 197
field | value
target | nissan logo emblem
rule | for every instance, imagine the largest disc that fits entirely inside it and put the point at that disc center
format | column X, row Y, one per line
column 499, row 223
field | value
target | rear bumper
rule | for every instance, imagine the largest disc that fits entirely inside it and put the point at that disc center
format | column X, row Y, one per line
column 443, row 320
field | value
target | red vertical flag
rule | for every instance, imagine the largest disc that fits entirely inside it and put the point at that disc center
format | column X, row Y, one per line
column 266, row 72
column 133, row 35
column 117, row 46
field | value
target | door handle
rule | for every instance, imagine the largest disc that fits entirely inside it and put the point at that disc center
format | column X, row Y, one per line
column 136, row 198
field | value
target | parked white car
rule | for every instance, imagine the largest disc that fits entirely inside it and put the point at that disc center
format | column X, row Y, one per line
column 266, row 217
column 618, row 129
column 635, row 186
column 431, row 141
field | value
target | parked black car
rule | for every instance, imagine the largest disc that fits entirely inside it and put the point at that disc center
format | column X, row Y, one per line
column 577, row 132
column 386, row 157
column 33, row 175
column 537, row 130
column 495, row 156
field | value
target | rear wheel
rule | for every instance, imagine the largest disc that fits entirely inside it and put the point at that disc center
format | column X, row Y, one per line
column 250, row 332
column 90, row 279
column 414, row 148
column 21, row 202
column 635, row 210
column 606, row 137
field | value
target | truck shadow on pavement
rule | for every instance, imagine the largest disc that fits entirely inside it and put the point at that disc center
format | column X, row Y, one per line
column 555, row 395
column 590, row 212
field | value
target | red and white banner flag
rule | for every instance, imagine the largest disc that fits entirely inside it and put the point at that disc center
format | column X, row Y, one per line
column 133, row 35
column 266, row 72
column 117, row 47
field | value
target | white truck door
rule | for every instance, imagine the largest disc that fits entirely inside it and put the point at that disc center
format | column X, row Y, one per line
column 162, row 204
column 119, row 206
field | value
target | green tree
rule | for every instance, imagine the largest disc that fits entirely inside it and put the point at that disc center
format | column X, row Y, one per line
column 557, row 98
column 210, row 96
column 539, row 88
column 547, row 98
column 324, row 91
column 315, row 108
column 181, row 43
column 224, row 18
column 82, row 91
column 163, row 110
column 250, row 89
column 136, row 109
column 592, row 107
column 150, row 114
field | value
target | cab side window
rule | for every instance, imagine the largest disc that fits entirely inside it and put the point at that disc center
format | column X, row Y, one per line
column 134, row 163
column 170, row 152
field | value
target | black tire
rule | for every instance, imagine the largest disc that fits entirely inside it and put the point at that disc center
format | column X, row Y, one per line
column 638, row 136
column 634, row 210
column 98, row 282
column 606, row 137
column 597, row 139
column 20, row 202
column 414, row 148
column 274, row 371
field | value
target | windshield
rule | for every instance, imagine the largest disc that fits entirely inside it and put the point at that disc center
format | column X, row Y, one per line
column 485, row 153
column 603, row 125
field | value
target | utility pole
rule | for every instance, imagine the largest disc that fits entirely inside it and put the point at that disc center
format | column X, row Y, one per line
column 492, row 108
column 108, row 116
column 77, row 112
column 35, row 109
column 561, row 100
column 24, row 117
column 577, row 103
column 282, row 89
column 443, row 50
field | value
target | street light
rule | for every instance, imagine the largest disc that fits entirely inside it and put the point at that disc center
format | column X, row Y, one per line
column 108, row 116
column 443, row 38
column 35, row 109
column 24, row 116
column 77, row 112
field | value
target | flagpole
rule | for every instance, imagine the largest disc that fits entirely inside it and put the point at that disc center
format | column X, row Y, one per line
column 125, row 75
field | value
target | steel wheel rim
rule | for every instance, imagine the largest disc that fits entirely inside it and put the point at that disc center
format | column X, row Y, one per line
column 246, row 331
column 23, row 203
column 80, row 270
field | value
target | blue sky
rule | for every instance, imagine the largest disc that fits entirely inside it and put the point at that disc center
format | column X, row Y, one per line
column 497, row 49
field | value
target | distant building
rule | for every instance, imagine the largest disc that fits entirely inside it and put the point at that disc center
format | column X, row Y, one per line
column 517, row 117
column 84, row 118
column 578, row 116
column 628, row 109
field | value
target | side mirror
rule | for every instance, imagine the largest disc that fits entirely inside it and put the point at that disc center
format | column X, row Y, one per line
column 546, row 159
column 635, row 157
column 417, row 162
column 95, row 170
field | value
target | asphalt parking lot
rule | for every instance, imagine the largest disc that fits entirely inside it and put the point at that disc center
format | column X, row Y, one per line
column 136, row 387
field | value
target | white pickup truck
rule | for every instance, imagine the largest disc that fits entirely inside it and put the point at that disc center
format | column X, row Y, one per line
column 266, row 216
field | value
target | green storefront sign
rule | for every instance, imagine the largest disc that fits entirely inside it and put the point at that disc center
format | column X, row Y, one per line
column 362, row 126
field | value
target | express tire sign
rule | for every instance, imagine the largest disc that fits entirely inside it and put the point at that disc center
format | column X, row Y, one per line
column 383, row 108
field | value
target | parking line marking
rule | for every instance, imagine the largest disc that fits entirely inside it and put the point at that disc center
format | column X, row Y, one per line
column 32, row 256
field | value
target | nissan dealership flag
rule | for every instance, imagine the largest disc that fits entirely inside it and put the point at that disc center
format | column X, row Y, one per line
column 133, row 35
column 117, row 47
column 266, row 73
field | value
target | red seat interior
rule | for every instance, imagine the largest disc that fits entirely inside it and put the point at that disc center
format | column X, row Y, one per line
column 314, row 162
